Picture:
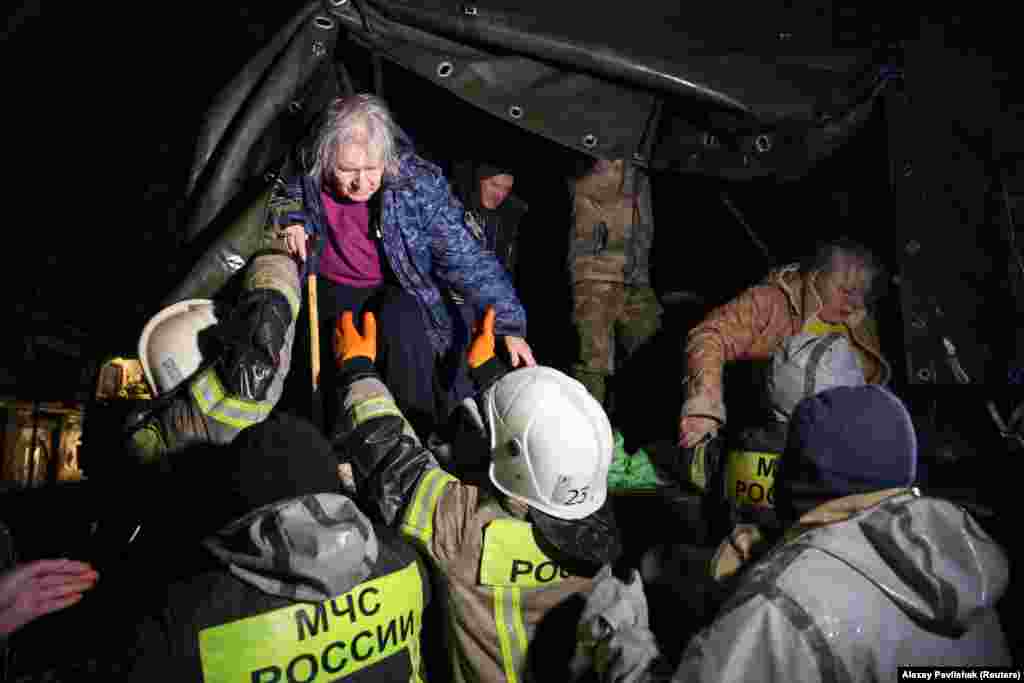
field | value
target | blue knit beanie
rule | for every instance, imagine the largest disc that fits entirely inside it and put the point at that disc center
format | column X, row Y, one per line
column 844, row 441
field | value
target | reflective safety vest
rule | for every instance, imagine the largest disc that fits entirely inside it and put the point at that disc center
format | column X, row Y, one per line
column 512, row 567
column 327, row 641
column 750, row 478
column 751, row 467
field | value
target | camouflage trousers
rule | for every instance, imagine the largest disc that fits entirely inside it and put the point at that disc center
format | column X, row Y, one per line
column 607, row 314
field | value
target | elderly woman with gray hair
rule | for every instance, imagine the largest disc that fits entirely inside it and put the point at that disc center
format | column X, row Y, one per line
column 391, row 238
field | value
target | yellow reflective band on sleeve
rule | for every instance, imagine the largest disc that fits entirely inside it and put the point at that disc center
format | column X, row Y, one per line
column 508, row 620
column 750, row 478
column 320, row 642
column 214, row 402
column 374, row 407
column 698, row 467
column 419, row 515
column 511, row 557
column 148, row 444
column 819, row 327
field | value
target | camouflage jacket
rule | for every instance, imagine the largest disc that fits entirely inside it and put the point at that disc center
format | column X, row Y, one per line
column 613, row 227
column 753, row 325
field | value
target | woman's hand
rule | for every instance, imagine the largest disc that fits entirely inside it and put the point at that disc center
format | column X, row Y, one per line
column 295, row 240
column 519, row 351
column 692, row 429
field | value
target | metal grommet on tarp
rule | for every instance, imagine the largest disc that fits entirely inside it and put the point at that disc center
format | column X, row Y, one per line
column 515, row 111
column 322, row 22
column 590, row 140
column 763, row 143
column 924, row 374
column 445, row 69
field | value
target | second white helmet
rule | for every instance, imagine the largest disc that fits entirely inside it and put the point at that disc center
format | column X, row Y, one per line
column 169, row 344
column 551, row 442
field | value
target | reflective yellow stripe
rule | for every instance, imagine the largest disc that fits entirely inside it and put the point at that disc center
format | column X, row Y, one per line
column 819, row 327
column 214, row 402
column 750, row 478
column 698, row 467
column 149, row 444
column 374, row 407
column 323, row 642
column 511, row 557
column 419, row 515
column 511, row 637
column 512, row 563
column 518, row 627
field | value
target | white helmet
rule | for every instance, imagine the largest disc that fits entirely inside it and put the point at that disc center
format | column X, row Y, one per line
column 551, row 442
column 807, row 364
column 169, row 345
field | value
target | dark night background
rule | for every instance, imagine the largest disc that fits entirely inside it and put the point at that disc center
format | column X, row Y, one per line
column 127, row 93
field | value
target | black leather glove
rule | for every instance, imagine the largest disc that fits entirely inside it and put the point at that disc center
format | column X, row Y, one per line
column 253, row 337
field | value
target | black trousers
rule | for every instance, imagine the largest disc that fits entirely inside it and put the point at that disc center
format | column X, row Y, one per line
column 405, row 357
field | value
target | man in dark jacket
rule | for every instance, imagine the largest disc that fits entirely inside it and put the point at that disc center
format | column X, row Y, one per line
column 493, row 215
column 292, row 583
column 493, row 212
column 510, row 553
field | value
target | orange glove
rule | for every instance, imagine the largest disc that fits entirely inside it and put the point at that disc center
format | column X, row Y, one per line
column 482, row 348
column 348, row 343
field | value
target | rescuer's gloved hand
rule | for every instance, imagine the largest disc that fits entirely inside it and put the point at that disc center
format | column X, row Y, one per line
column 481, row 349
column 349, row 343
column 253, row 337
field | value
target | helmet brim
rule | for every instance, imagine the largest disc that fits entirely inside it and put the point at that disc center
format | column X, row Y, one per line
column 593, row 540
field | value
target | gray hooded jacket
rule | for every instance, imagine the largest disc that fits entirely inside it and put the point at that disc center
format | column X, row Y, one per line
column 305, row 588
column 910, row 581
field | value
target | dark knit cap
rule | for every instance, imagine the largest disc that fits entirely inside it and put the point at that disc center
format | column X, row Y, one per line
column 280, row 458
column 845, row 441
column 489, row 169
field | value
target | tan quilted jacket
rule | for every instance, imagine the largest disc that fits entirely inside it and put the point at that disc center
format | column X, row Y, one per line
column 753, row 325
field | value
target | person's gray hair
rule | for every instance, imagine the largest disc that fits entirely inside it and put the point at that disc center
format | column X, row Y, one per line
column 344, row 121
column 827, row 255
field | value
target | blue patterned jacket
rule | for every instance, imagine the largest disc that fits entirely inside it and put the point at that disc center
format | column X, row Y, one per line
column 426, row 242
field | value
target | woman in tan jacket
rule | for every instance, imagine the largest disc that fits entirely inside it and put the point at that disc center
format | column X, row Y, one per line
column 829, row 293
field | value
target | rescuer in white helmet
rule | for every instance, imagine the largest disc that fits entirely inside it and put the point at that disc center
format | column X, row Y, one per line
column 524, row 542
column 213, row 374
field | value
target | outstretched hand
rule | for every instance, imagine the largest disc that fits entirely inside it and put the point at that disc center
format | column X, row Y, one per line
column 519, row 352
column 694, row 428
column 349, row 343
column 33, row 589
column 481, row 349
